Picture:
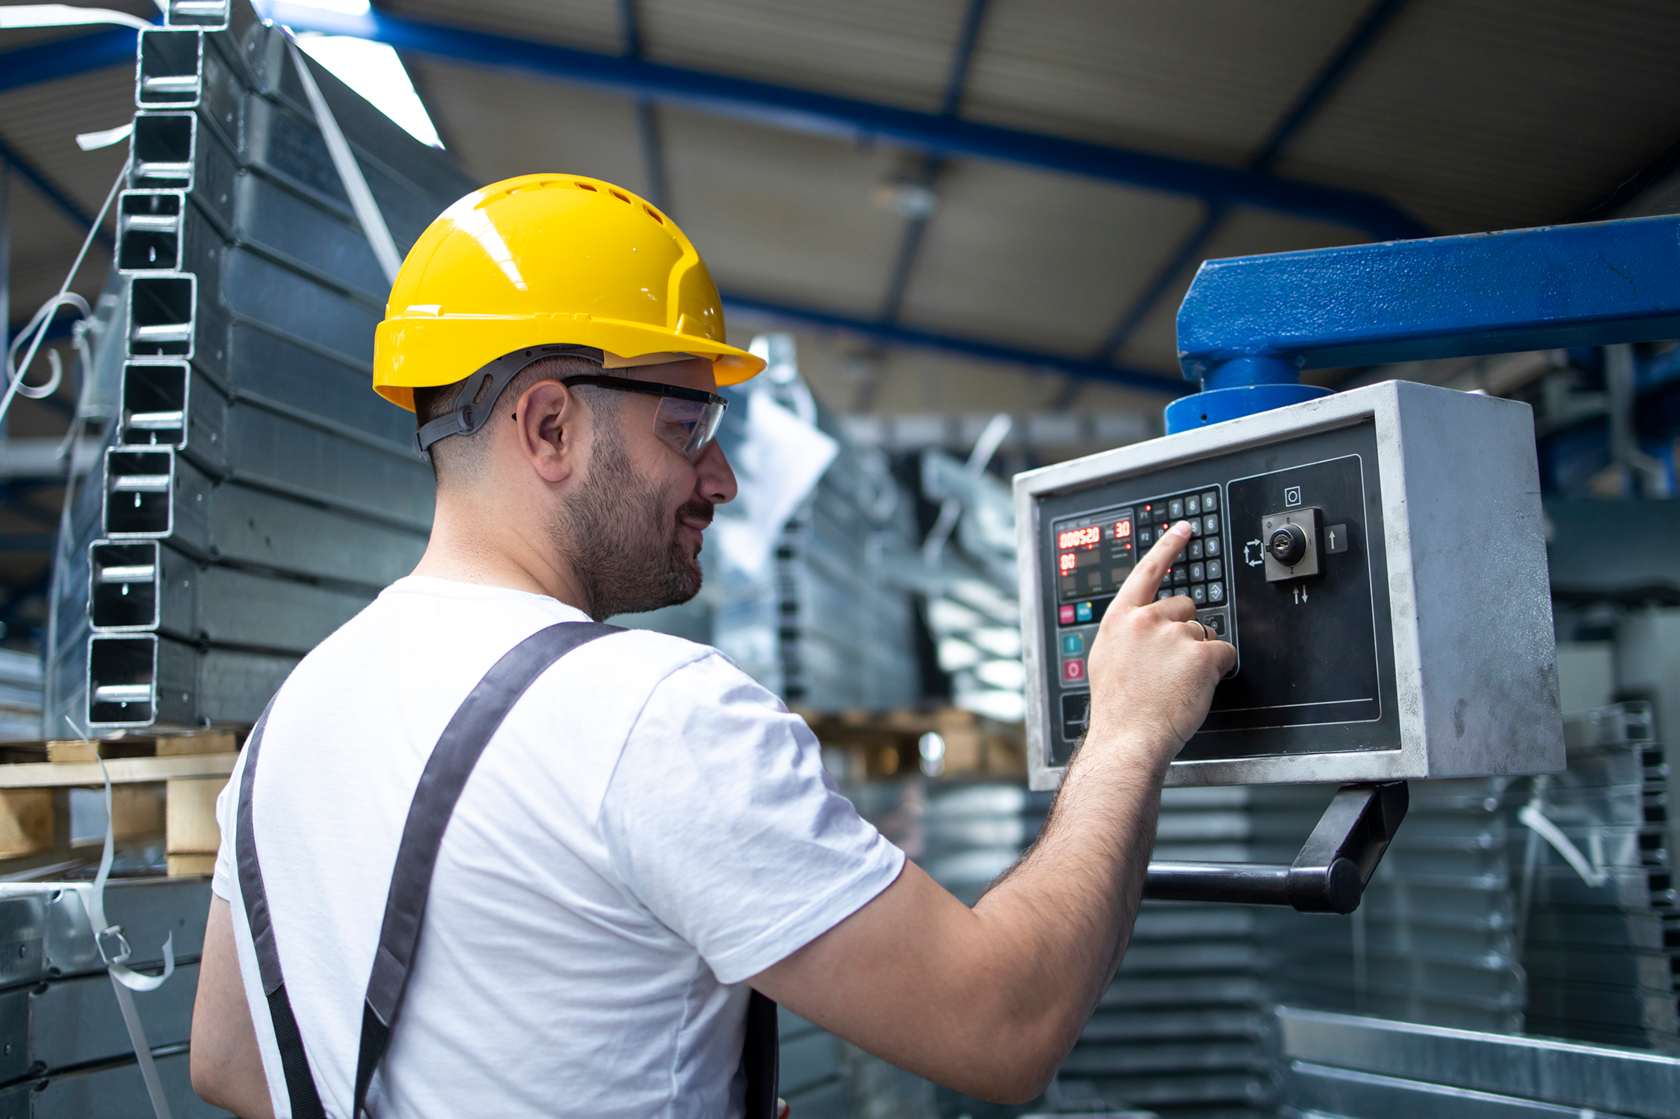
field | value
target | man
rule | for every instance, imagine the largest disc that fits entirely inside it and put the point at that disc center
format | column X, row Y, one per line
column 649, row 834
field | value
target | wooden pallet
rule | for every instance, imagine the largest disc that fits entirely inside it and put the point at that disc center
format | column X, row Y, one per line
column 885, row 744
column 161, row 789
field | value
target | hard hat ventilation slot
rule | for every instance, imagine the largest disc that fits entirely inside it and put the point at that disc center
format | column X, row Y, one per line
column 585, row 186
column 624, row 198
column 652, row 213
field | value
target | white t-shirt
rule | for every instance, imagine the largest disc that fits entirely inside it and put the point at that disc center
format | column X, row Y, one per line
column 648, row 829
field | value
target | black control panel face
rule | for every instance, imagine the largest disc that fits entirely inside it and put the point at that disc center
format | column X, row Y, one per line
column 1285, row 560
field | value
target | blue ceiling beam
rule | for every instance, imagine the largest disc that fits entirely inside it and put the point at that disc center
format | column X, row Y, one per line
column 1330, row 76
column 65, row 58
column 892, row 333
column 50, row 190
column 810, row 111
column 915, row 226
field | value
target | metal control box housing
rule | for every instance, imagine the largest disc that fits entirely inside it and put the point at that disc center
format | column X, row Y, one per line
column 1410, row 634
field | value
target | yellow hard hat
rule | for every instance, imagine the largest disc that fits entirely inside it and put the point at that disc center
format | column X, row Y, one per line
column 548, row 259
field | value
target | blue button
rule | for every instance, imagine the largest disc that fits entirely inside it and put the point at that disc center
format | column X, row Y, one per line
column 1072, row 644
column 1082, row 611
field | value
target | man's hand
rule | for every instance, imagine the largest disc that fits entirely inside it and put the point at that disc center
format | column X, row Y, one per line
column 1152, row 666
column 989, row 1000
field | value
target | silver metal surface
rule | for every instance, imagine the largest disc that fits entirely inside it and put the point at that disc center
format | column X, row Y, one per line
column 1617, row 1081
column 1462, row 521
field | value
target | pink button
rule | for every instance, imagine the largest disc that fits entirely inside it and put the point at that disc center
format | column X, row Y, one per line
column 1073, row 669
column 1067, row 615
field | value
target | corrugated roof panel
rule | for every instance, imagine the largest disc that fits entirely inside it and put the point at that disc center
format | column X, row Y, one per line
column 1200, row 78
column 44, row 244
column 500, row 124
column 875, row 50
column 1244, row 233
column 1037, row 260
column 1495, row 114
column 784, row 216
column 586, row 24
column 42, row 121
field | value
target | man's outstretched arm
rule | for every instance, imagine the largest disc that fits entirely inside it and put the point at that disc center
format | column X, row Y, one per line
column 989, row 1000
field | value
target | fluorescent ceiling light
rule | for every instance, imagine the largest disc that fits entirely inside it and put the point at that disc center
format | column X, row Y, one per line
column 371, row 69
column 374, row 71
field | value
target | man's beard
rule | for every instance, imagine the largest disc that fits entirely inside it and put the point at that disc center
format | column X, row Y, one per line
column 623, row 548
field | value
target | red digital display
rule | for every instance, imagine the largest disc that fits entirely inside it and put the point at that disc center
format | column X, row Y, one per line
column 1067, row 561
column 1122, row 530
column 1080, row 537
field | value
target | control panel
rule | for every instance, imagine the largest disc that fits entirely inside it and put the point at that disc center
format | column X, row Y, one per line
column 1312, row 551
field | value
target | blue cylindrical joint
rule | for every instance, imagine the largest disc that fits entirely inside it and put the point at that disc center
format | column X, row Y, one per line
column 1241, row 386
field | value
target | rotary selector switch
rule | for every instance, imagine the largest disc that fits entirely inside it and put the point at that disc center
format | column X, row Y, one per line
column 1287, row 545
column 1292, row 544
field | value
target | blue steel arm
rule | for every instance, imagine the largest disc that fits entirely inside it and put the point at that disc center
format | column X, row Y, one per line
column 1249, row 325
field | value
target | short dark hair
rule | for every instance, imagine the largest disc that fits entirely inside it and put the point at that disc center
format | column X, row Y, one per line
column 456, row 456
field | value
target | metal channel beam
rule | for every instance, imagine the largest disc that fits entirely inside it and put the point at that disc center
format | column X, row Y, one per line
column 878, row 331
column 50, row 190
column 802, row 109
column 1260, row 319
column 1330, row 76
column 65, row 58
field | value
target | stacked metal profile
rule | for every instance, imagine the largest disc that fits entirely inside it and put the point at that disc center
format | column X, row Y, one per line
column 1183, row 1029
column 1434, row 939
column 821, row 625
column 256, row 494
column 64, row 1052
column 1602, row 948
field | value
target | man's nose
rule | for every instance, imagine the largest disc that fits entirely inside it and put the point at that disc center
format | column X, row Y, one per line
column 716, row 481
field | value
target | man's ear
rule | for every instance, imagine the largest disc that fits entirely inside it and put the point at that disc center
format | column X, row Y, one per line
column 551, row 430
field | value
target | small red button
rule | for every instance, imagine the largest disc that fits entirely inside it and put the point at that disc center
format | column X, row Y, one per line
column 1067, row 615
column 1073, row 669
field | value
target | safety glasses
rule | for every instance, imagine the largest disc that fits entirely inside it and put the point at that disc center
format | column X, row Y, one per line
column 687, row 419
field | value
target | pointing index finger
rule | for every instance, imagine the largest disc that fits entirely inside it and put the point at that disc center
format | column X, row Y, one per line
column 1140, row 586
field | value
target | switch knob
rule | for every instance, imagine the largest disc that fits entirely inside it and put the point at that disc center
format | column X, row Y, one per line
column 1287, row 545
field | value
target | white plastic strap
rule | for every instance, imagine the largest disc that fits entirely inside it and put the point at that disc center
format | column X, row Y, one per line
column 124, row 979
column 355, row 184
column 1536, row 821
column 64, row 15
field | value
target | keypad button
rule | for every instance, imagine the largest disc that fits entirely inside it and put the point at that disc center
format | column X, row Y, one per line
column 1198, row 594
column 1073, row 644
column 1196, row 527
column 1211, row 546
column 1145, row 536
column 1082, row 611
column 1216, row 569
column 1065, row 615
column 1210, row 524
column 1073, row 670
column 1181, row 592
column 1215, row 622
column 1175, row 509
column 1194, row 551
column 1180, row 576
column 1198, row 572
column 1192, row 505
column 1163, row 593
column 1216, row 591
column 1210, row 501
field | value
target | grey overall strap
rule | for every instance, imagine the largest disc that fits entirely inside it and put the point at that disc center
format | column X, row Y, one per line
column 445, row 775
column 300, row 1082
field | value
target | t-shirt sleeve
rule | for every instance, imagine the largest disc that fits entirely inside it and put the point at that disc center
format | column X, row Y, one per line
column 224, row 878
column 724, row 824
